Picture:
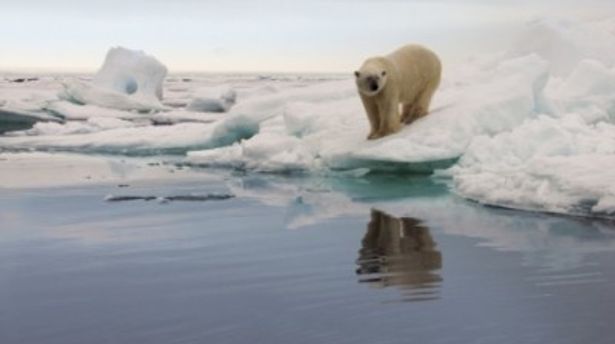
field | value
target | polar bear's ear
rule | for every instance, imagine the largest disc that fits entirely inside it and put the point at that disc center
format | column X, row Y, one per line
column 356, row 73
column 384, row 72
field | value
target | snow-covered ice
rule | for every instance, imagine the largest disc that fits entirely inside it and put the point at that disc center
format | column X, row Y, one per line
column 563, row 166
column 324, row 127
column 561, row 161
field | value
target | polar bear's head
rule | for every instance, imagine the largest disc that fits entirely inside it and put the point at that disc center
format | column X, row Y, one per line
column 370, row 79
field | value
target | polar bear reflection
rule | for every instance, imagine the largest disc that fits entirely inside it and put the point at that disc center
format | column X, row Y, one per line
column 400, row 252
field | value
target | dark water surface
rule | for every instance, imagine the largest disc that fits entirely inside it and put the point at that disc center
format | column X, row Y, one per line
column 376, row 260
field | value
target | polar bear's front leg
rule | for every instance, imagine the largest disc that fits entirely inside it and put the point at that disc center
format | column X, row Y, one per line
column 389, row 117
column 371, row 109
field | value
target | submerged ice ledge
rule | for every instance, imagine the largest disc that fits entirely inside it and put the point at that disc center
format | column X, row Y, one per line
column 166, row 199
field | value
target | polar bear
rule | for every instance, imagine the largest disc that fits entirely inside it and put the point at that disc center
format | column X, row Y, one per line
column 410, row 76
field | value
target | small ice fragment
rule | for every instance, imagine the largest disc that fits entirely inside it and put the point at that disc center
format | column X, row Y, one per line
column 222, row 104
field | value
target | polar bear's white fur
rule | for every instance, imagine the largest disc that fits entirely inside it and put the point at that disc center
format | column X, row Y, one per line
column 409, row 76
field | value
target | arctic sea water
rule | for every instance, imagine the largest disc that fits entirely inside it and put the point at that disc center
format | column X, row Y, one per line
column 121, row 258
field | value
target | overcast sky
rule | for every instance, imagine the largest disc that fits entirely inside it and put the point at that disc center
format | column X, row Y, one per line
column 227, row 35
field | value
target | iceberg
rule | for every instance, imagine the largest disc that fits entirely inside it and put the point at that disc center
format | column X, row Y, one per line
column 128, row 80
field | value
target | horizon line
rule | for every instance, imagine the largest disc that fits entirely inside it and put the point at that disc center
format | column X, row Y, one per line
column 35, row 70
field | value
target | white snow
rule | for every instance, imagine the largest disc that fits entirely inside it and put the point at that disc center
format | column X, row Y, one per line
column 128, row 80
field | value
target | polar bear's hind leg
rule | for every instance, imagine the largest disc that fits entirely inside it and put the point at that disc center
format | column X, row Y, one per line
column 424, row 100
column 418, row 108
column 407, row 114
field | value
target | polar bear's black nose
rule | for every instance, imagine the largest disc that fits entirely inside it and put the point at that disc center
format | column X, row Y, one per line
column 373, row 86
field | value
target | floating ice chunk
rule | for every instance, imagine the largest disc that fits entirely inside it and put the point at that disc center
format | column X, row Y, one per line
column 547, row 164
column 128, row 80
column 222, row 104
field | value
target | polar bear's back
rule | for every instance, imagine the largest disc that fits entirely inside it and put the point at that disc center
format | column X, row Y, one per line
column 417, row 67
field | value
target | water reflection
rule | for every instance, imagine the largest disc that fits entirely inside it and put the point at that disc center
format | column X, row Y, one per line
column 400, row 252
column 554, row 243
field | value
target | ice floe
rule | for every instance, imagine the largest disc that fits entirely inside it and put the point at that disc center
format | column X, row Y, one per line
column 324, row 126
